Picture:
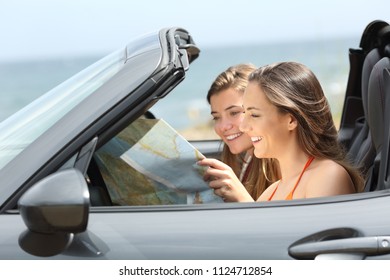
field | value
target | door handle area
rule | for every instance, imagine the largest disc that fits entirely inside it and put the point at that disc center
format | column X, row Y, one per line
column 339, row 244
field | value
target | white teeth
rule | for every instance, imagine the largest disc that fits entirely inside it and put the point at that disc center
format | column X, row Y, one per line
column 256, row 139
column 233, row 136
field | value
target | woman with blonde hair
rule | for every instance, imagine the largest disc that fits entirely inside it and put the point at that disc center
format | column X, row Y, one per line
column 238, row 166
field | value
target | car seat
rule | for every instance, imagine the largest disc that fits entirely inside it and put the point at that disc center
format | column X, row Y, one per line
column 384, row 172
column 377, row 103
column 362, row 152
column 374, row 42
column 352, row 118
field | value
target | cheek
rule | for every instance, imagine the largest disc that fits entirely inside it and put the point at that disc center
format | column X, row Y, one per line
column 264, row 123
column 238, row 120
column 244, row 124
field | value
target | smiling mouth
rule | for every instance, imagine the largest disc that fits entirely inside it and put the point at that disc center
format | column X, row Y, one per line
column 256, row 139
column 233, row 136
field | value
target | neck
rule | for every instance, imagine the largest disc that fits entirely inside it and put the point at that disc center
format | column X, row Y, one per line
column 291, row 165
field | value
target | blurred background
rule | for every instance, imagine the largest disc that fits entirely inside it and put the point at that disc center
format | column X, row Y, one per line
column 45, row 42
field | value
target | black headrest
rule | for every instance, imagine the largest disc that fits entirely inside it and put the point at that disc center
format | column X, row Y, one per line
column 369, row 61
column 374, row 35
column 386, row 50
column 384, row 39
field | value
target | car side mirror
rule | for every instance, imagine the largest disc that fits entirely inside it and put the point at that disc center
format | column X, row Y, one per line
column 54, row 209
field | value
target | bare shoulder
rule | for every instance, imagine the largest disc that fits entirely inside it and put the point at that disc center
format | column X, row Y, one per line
column 328, row 178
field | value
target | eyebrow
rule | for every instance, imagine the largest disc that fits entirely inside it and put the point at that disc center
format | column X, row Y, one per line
column 227, row 109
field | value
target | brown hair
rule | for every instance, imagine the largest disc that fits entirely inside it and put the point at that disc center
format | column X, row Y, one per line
column 262, row 172
column 293, row 88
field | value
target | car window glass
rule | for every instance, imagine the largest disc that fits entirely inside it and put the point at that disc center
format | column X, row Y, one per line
column 20, row 130
column 135, row 173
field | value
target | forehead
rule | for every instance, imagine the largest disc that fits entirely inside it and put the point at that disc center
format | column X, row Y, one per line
column 254, row 96
column 226, row 97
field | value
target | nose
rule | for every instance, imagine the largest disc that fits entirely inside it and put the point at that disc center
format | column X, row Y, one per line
column 225, row 125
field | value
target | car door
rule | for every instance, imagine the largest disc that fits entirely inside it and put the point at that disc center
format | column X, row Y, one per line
column 341, row 227
column 338, row 228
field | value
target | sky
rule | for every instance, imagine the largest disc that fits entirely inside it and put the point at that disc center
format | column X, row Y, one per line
column 36, row 29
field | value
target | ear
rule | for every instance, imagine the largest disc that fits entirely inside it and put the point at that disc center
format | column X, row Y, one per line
column 292, row 122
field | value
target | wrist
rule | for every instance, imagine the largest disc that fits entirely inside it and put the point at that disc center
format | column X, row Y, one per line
column 246, row 198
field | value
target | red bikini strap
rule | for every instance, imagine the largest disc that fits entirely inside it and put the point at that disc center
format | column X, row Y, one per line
column 300, row 176
column 289, row 196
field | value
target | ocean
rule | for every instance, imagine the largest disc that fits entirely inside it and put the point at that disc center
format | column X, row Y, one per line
column 23, row 81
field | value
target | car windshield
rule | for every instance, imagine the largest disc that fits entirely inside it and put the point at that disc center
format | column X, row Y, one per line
column 21, row 129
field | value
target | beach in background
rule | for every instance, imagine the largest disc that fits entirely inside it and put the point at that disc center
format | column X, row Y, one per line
column 186, row 108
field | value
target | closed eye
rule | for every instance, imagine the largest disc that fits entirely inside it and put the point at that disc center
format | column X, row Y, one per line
column 235, row 113
column 215, row 118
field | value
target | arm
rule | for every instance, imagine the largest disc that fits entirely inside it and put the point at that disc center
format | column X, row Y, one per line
column 224, row 182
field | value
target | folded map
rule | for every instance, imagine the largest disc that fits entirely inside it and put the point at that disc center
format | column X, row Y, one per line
column 165, row 156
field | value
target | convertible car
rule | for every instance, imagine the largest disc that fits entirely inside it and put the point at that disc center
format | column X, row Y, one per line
column 68, row 192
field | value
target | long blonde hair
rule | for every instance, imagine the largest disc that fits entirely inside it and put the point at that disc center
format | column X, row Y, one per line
column 293, row 88
column 262, row 172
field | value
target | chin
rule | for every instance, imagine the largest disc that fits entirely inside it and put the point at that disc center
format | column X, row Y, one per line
column 235, row 150
column 258, row 154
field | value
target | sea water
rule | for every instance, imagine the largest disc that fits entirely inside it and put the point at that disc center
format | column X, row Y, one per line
column 186, row 107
